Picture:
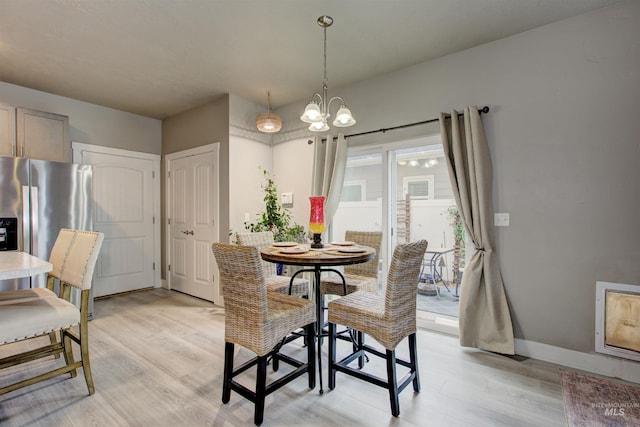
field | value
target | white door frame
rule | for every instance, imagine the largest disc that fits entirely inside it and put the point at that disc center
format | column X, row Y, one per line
column 215, row 146
column 79, row 147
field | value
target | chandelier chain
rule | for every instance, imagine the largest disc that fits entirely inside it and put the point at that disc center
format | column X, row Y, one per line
column 325, row 55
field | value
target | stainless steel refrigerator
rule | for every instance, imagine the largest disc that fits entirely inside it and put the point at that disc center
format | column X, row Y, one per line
column 37, row 199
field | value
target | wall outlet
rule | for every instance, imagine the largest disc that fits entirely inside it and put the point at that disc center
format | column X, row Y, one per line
column 501, row 220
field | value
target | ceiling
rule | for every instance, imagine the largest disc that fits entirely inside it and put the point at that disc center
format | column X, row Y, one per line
column 158, row 58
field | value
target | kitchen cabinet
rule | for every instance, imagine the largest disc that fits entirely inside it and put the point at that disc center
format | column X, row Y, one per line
column 7, row 130
column 43, row 136
column 34, row 134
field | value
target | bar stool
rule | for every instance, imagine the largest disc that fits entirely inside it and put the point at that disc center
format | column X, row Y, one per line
column 259, row 321
column 33, row 317
column 358, row 277
column 388, row 319
column 275, row 283
column 56, row 258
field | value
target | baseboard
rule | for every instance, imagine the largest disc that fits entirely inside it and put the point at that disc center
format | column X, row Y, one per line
column 596, row 363
column 601, row 364
column 437, row 323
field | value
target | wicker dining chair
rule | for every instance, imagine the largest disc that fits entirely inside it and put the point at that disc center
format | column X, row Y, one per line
column 358, row 277
column 259, row 321
column 275, row 283
column 388, row 319
column 28, row 318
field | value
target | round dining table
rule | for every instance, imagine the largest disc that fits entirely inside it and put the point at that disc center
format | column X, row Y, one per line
column 317, row 261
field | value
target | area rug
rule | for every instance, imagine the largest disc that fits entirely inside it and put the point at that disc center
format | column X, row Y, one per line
column 594, row 402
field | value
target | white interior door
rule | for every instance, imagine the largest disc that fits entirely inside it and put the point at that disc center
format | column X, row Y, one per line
column 125, row 193
column 193, row 221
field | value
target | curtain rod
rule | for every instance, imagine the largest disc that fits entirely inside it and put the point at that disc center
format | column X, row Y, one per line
column 484, row 110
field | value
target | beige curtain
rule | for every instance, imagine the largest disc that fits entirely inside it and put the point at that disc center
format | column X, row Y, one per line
column 329, row 165
column 485, row 321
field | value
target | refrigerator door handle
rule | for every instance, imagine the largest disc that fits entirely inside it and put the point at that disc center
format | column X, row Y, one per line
column 26, row 233
column 35, row 209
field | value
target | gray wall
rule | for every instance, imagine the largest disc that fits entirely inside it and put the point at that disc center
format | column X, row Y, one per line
column 565, row 145
column 90, row 123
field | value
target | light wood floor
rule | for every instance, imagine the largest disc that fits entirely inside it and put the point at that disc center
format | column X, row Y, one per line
column 157, row 361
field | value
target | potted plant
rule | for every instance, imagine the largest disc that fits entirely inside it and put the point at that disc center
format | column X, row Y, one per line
column 275, row 217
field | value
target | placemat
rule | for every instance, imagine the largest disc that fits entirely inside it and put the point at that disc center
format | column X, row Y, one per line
column 311, row 253
column 337, row 252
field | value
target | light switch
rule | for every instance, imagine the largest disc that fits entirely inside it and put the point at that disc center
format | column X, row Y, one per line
column 501, row 220
column 286, row 198
column 247, row 218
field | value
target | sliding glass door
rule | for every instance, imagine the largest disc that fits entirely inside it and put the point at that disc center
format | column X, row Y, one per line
column 403, row 189
column 363, row 197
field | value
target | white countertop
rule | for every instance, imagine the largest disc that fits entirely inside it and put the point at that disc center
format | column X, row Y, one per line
column 20, row 264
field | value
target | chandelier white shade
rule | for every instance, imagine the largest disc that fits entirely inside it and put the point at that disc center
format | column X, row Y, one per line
column 316, row 113
column 344, row 118
column 268, row 122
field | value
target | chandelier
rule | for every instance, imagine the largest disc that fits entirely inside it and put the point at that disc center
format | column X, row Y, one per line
column 268, row 122
column 317, row 111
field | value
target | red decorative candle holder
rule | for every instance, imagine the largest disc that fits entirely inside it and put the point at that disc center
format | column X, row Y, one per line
column 316, row 221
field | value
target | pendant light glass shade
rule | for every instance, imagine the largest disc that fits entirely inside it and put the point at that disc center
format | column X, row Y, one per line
column 311, row 113
column 320, row 126
column 268, row 122
column 344, row 118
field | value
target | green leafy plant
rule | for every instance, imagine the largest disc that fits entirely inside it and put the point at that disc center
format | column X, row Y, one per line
column 456, row 223
column 275, row 217
column 458, row 236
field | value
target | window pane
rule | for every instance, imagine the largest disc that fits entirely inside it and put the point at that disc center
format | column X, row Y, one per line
column 360, row 205
column 352, row 193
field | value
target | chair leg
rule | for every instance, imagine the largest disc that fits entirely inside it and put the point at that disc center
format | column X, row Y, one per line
column 261, row 385
column 311, row 354
column 392, row 382
column 360, row 338
column 228, row 372
column 413, row 357
column 332, row 355
column 68, row 352
column 54, row 340
column 84, row 351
